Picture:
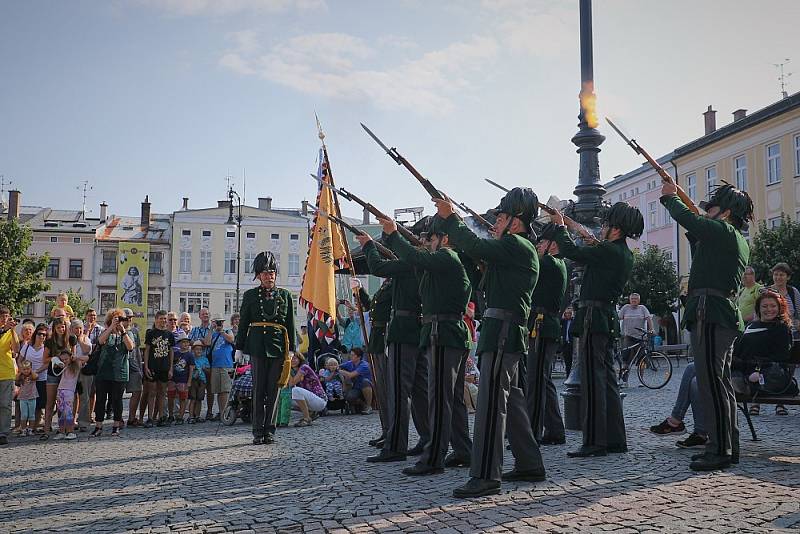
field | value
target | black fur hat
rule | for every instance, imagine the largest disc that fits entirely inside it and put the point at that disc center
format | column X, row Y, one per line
column 626, row 218
column 265, row 261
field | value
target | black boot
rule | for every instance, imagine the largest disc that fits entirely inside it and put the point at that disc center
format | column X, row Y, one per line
column 420, row 469
column 416, row 450
column 455, row 461
column 529, row 475
column 710, row 462
column 477, row 487
column 386, row 456
column 587, row 451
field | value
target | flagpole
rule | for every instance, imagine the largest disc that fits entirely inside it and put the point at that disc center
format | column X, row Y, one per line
column 351, row 267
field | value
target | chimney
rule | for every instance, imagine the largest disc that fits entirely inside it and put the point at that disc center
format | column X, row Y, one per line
column 304, row 208
column 365, row 216
column 739, row 114
column 265, row 203
column 185, row 204
column 145, row 221
column 14, row 201
column 223, row 203
column 103, row 211
column 711, row 120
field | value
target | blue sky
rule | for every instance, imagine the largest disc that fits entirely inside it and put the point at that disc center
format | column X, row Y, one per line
column 165, row 97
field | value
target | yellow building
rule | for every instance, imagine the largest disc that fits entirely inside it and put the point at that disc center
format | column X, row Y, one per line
column 759, row 153
column 204, row 250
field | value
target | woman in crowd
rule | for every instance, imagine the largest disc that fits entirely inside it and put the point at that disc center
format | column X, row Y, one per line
column 112, row 371
column 308, row 395
column 33, row 352
column 185, row 323
column 82, row 350
column 60, row 340
column 25, row 338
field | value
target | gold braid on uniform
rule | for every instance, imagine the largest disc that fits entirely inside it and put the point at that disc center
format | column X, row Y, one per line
column 270, row 295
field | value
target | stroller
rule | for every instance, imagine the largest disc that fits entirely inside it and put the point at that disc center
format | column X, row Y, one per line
column 240, row 398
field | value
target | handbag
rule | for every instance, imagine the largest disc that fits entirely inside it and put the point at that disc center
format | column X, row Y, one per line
column 777, row 382
column 93, row 364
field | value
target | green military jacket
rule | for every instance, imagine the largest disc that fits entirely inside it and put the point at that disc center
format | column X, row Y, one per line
column 719, row 256
column 379, row 312
column 548, row 294
column 405, row 295
column 260, row 305
column 444, row 288
column 513, row 268
column 608, row 267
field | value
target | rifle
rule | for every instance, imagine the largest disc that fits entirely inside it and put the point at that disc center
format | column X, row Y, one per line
column 347, row 226
column 665, row 176
column 347, row 195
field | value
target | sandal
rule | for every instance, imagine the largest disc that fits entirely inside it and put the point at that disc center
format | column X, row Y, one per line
column 755, row 410
column 44, row 437
column 303, row 422
column 780, row 409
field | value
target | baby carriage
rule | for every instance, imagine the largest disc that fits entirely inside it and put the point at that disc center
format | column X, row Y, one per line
column 240, row 398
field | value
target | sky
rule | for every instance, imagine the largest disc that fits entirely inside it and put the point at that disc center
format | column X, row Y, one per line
column 166, row 98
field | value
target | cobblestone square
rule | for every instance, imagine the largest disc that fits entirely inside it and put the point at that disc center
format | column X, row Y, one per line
column 191, row 479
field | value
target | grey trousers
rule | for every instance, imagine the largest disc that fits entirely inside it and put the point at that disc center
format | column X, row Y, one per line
column 713, row 354
column 540, row 394
column 84, row 415
column 6, row 401
column 379, row 374
column 689, row 396
column 603, row 423
column 266, row 372
column 501, row 410
column 447, row 413
column 407, row 377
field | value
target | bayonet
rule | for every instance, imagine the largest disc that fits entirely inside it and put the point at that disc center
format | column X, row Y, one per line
column 498, row 186
column 347, row 226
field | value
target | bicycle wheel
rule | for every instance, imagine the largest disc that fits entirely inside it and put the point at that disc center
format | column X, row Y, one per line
column 655, row 370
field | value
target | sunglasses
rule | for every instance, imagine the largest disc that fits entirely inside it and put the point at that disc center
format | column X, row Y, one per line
column 40, row 334
column 172, row 320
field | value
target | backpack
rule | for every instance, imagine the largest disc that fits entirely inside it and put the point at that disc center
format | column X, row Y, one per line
column 93, row 364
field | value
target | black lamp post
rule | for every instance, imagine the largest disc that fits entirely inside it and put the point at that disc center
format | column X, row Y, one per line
column 235, row 221
column 589, row 192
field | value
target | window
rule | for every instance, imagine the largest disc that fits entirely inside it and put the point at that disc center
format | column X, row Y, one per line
column 76, row 269
column 229, row 298
column 797, row 155
column 275, row 236
column 155, row 263
column 230, row 262
column 108, row 300
column 186, row 233
column 206, row 233
column 711, row 179
column 668, row 253
column 205, row 261
column 740, row 171
column 29, row 309
column 53, row 268
column 665, row 216
column 691, row 186
column 251, row 235
column 186, row 261
column 153, row 304
column 652, row 215
column 294, row 237
column 109, row 261
column 774, row 222
column 228, row 233
column 192, row 301
column 249, row 257
column 773, row 163
column 53, row 239
column 637, row 190
column 294, row 264
column 76, row 239
column 49, row 303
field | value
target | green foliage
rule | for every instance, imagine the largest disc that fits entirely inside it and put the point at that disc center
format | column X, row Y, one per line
column 654, row 278
column 78, row 304
column 21, row 275
column 773, row 245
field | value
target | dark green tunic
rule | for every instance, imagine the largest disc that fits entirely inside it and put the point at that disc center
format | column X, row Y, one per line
column 260, row 305
column 608, row 267
column 510, row 279
column 405, row 295
column 549, row 293
column 719, row 256
column 379, row 314
column 445, row 289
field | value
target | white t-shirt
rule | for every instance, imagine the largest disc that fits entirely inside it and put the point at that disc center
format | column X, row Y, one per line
column 633, row 318
column 27, row 352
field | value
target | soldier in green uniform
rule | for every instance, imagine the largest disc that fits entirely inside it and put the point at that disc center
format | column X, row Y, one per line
column 267, row 334
column 608, row 267
column 719, row 256
column 379, row 318
column 445, row 291
column 407, row 369
column 540, row 392
column 513, row 268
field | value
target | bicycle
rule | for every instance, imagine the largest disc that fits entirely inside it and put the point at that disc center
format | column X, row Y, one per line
column 654, row 368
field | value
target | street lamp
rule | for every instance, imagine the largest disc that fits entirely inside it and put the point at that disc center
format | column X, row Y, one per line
column 235, row 223
column 589, row 192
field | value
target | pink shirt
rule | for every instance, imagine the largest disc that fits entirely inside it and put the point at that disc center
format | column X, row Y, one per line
column 69, row 379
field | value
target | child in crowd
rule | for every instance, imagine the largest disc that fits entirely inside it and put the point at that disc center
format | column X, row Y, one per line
column 62, row 303
column 26, row 380
column 332, row 380
column 65, row 401
column 182, row 370
column 197, row 387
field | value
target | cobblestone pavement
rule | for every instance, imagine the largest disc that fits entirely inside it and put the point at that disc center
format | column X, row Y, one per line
column 188, row 479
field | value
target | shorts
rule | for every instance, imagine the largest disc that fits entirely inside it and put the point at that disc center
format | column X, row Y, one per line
column 134, row 383
column 197, row 391
column 53, row 379
column 158, row 376
column 220, row 380
column 178, row 389
column 41, row 389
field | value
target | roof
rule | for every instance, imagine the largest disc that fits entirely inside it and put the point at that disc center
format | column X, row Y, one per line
column 48, row 219
column 645, row 167
column 129, row 228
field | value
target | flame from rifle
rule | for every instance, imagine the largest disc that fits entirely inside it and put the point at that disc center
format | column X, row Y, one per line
column 589, row 104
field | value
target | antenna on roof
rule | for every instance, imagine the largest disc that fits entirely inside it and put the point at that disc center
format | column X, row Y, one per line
column 3, row 184
column 86, row 188
column 244, row 186
column 783, row 76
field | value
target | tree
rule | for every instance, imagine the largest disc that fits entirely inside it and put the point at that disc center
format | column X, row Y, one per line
column 773, row 245
column 78, row 304
column 654, row 278
column 21, row 275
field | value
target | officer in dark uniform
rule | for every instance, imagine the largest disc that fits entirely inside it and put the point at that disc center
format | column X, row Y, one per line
column 513, row 268
column 379, row 319
column 719, row 256
column 445, row 291
column 267, row 334
column 407, row 369
column 540, row 392
column 608, row 267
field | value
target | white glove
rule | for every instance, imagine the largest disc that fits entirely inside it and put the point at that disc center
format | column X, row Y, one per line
column 355, row 284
